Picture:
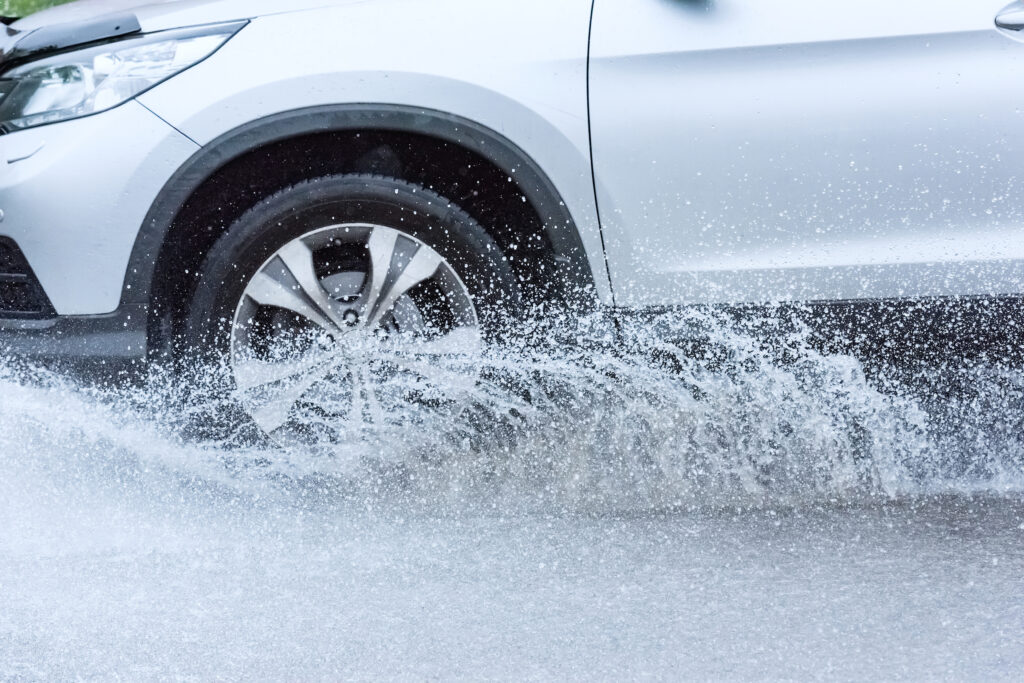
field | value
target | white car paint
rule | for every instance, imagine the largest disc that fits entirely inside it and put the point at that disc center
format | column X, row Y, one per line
column 741, row 151
column 792, row 150
column 517, row 68
column 77, row 197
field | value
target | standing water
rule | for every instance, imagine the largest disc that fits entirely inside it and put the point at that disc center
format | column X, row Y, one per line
column 675, row 499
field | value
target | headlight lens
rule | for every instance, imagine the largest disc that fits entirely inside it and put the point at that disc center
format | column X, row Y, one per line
column 75, row 84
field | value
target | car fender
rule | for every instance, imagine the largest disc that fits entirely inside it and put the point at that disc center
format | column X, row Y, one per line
column 514, row 75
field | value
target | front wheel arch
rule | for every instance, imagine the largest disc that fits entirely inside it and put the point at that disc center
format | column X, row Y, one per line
column 172, row 222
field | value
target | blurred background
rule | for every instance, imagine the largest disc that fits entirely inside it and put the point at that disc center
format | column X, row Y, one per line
column 20, row 8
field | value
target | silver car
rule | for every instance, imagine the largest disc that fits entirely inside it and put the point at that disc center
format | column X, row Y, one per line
column 259, row 182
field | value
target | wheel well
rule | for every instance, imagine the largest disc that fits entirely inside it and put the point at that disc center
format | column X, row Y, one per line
column 493, row 196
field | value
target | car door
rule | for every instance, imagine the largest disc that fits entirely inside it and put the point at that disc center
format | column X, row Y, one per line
column 758, row 150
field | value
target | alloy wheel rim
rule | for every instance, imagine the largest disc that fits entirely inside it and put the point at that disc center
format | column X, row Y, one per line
column 343, row 327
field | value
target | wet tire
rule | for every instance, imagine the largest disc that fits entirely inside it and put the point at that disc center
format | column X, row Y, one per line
column 308, row 207
column 299, row 209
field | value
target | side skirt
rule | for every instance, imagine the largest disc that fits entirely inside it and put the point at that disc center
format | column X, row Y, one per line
column 882, row 332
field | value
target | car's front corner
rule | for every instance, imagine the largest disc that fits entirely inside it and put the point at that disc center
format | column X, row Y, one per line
column 79, row 171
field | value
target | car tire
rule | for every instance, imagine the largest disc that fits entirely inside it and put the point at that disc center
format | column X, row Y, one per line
column 410, row 214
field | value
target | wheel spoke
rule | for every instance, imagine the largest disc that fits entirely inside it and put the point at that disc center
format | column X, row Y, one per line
column 390, row 280
column 266, row 291
column 251, row 373
column 344, row 368
column 364, row 397
column 298, row 259
column 445, row 361
column 461, row 341
column 272, row 412
column 270, row 390
column 381, row 245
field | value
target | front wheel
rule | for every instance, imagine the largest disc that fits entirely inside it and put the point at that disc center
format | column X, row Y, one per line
column 332, row 302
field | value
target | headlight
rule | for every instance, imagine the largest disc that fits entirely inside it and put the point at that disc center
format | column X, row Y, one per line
column 74, row 84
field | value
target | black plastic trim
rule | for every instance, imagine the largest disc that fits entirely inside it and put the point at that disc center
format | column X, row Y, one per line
column 881, row 331
column 15, row 270
column 114, row 342
column 537, row 187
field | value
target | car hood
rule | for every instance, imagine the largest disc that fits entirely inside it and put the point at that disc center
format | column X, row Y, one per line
column 88, row 21
column 156, row 15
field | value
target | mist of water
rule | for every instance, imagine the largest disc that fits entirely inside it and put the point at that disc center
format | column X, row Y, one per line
column 681, row 410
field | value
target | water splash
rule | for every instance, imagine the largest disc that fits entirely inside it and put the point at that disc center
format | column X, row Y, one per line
column 678, row 410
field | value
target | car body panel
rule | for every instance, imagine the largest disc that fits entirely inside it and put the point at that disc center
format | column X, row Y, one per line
column 743, row 152
column 751, row 152
column 74, row 195
column 518, row 69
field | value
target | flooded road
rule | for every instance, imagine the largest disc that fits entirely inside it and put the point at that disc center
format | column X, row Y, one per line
column 931, row 589
column 735, row 518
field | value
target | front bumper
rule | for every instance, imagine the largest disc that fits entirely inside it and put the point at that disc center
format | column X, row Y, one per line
column 74, row 195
